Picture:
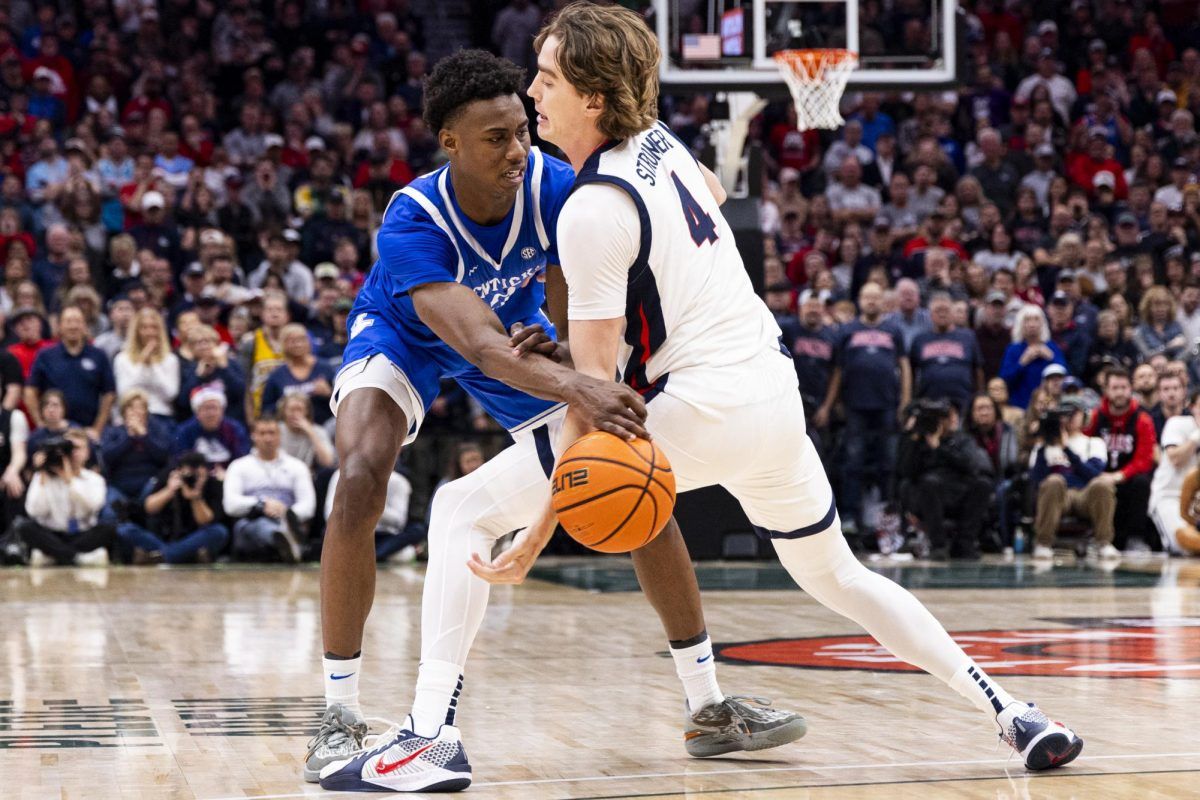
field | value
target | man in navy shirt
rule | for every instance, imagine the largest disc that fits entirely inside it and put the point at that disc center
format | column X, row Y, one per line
column 1067, row 334
column 946, row 360
column 79, row 370
column 874, row 381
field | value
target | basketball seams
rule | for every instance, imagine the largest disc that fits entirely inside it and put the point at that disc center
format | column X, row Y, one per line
column 641, row 498
column 599, row 496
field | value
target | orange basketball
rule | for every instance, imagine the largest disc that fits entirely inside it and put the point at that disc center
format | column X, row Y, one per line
column 613, row 495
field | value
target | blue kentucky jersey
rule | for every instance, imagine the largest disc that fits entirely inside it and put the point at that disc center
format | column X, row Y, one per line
column 426, row 238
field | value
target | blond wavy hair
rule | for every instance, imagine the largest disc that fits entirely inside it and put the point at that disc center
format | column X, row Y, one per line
column 608, row 51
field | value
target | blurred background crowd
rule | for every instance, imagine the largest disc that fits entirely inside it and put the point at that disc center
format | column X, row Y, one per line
column 991, row 292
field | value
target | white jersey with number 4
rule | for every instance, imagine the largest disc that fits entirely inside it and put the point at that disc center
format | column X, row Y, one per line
column 641, row 237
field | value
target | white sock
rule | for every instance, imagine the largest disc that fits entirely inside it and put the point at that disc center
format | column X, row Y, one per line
column 341, row 681
column 697, row 669
column 827, row 570
column 439, row 683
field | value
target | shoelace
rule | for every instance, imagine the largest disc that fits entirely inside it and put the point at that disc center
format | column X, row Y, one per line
column 340, row 730
column 763, row 711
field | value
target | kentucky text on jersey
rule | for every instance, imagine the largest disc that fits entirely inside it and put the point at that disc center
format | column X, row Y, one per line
column 426, row 238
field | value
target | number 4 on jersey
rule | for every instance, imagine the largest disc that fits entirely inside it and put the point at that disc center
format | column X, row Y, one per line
column 699, row 221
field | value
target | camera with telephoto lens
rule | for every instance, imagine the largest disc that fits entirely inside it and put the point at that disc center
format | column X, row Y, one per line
column 927, row 416
column 189, row 479
column 55, row 453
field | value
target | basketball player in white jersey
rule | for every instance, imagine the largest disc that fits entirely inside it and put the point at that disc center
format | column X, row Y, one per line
column 657, row 289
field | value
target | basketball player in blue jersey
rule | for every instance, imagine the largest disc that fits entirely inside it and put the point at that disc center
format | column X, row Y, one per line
column 660, row 293
column 463, row 253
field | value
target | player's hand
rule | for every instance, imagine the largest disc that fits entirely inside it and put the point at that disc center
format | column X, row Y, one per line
column 534, row 339
column 609, row 406
column 513, row 565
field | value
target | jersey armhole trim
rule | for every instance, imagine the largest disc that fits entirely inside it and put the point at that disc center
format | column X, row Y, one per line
column 539, row 167
column 430, row 209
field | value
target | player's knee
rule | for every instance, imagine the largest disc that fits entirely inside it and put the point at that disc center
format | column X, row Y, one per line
column 452, row 507
column 362, row 483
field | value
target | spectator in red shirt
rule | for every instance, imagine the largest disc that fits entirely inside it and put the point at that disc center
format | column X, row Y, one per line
column 28, row 324
column 1128, row 432
column 800, row 150
column 150, row 98
column 934, row 235
column 1083, row 166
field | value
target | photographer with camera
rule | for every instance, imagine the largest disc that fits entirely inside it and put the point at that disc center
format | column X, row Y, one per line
column 945, row 478
column 63, row 504
column 183, row 517
column 1066, row 470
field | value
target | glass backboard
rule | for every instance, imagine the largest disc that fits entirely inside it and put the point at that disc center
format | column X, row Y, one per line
column 728, row 44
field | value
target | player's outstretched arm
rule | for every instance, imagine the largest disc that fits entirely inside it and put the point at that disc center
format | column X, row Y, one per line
column 458, row 317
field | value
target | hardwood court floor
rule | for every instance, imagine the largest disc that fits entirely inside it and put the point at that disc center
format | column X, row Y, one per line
column 203, row 683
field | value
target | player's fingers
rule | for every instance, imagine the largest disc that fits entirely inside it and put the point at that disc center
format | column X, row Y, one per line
column 636, row 403
column 623, row 428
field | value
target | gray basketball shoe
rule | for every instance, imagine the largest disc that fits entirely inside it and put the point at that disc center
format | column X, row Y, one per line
column 341, row 734
column 740, row 723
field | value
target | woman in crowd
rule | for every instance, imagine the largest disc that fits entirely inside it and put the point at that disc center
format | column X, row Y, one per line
column 1158, row 331
column 301, row 373
column 1029, row 354
column 52, row 408
column 997, row 389
column 134, row 451
column 147, row 363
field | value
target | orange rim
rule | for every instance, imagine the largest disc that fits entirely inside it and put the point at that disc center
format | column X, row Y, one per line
column 813, row 63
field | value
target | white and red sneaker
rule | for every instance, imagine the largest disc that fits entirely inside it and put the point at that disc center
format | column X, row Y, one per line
column 1041, row 742
column 404, row 762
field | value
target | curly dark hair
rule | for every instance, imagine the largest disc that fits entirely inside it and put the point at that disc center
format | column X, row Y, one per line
column 465, row 77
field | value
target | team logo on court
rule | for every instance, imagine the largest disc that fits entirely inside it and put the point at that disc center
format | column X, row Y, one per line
column 1094, row 648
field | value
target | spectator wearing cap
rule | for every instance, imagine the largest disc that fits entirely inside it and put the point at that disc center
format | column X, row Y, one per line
column 1067, row 472
column 1043, row 173
column 1085, row 311
column 301, row 373
column 28, row 323
column 946, row 361
column 1028, row 356
column 1129, row 244
column 1071, row 338
column 1172, row 400
column 1159, row 332
column 271, row 497
column 297, row 279
column 81, row 371
column 312, row 197
column 1171, row 195
column 156, row 232
column 210, row 432
column 1129, row 436
column 992, row 333
column 1062, row 91
column 1054, row 377
column 147, row 363
column 322, row 232
column 210, row 365
column 182, row 505
column 1093, row 158
column 44, row 101
column 794, row 149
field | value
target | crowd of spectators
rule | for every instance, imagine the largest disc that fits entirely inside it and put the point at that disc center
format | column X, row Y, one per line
column 996, row 286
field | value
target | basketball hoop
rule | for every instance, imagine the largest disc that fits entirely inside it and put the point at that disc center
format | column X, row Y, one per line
column 816, row 79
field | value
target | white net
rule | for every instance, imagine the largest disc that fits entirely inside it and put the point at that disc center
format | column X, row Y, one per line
column 816, row 79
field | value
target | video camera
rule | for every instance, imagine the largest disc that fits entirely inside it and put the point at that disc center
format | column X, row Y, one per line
column 55, row 454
